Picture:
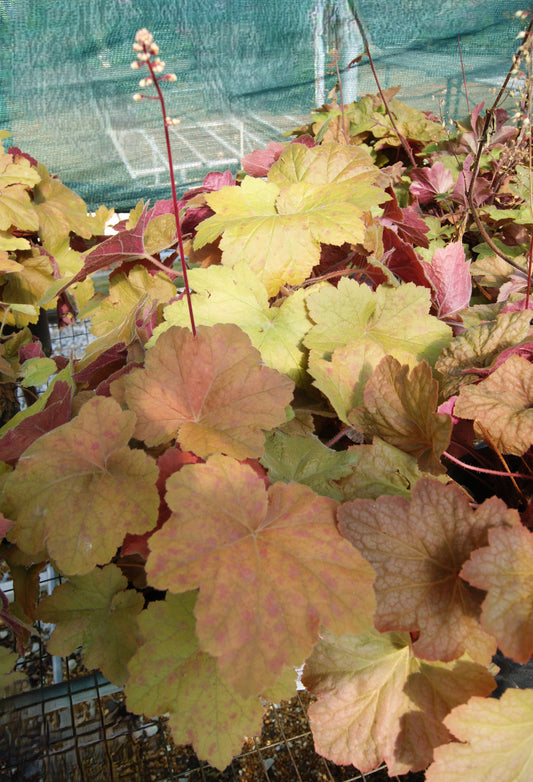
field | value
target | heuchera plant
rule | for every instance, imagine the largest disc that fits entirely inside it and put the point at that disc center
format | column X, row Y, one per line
column 330, row 464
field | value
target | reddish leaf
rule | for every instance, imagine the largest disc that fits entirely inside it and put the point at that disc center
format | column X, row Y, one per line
column 229, row 535
column 417, row 549
column 258, row 162
column 211, row 392
column 449, row 274
column 168, row 463
column 55, row 413
column 430, row 183
column 505, row 570
column 407, row 222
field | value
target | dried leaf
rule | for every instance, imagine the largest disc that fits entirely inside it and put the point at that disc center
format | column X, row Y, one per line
column 254, row 623
column 417, row 549
column 505, row 570
column 211, row 392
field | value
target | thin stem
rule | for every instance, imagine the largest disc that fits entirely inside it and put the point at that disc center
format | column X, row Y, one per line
column 483, row 470
column 174, row 196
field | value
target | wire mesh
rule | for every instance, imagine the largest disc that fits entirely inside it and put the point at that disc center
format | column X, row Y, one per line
column 72, row 725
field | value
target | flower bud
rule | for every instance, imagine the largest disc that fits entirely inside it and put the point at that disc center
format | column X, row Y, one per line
column 137, row 96
column 144, row 36
column 135, row 65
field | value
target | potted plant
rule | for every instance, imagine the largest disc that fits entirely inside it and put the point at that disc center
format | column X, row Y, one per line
column 312, row 447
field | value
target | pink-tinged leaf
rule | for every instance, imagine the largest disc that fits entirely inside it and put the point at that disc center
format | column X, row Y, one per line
column 79, row 489
column 430, row 183
column 504, row 570
column 482, row 187
column 211, row 392
column 32, row 349
column 193, row 202
column 5, row 525
column 168, row 463
column 377, row 702
column 271, row 567
column 258, row 162
column 503, row 405
column 32, row 426
column 417, row 549
column 400, row 407
column 97, row 612
column 449, row 274
column 171, row 674
column 494, row 741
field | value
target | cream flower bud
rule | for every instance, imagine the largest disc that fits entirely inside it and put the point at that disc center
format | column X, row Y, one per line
column 143, row 56
column 172, row 121
column 135, row 65
column 137, row 96
column 154, row 48
column 144, row 36
column 137, row 47
column 146, row 82
column 170, row 77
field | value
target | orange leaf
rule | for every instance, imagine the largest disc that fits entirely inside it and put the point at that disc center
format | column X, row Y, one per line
column 400, row 408
column 505, row 570
column 211, row 392
column 503, row 405
column 417, row 549
column 270, row 565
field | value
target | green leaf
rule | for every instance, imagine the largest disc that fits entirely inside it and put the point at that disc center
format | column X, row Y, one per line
column 478, row 347
column 381, row 469
column 236, row 295
column 170, row 673
column 95, row 611
column 396, row 319
column 36, row 371
column 306, row 460
column 79, row 489
column 278, row 226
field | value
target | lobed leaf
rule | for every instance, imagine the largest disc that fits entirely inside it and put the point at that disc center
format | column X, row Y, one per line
column 377, row 702
column 170, row 673
column 236, row 295
column 211, row 392
column 400, row 406
column 228, row 535
column 494, row 741
column 78, row 489
column 502, row 404
column 96, row 612
column 504, row 569
column 417, row 549
column 292, row 458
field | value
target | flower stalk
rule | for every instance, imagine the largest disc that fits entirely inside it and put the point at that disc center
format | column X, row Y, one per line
column 148, row 54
